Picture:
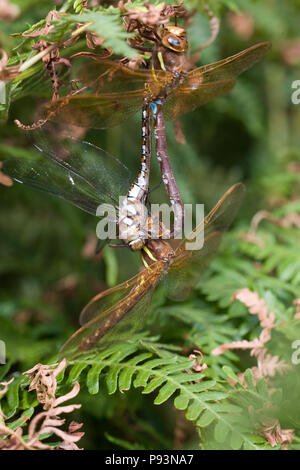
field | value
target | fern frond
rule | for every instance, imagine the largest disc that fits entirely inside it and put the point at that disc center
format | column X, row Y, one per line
column 203, row 400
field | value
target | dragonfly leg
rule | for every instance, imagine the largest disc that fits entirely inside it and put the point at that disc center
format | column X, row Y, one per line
column 155, row 188
column 148, row 252
column 116, row 245
column 145, row 263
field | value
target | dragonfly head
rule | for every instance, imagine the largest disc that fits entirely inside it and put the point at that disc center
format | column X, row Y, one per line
column 174, row 38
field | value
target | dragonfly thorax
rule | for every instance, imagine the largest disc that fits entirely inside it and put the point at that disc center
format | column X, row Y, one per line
column 169, row 59
column 161, row 250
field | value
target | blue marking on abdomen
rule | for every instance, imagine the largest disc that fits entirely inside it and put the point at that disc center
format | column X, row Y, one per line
column 154, row 108
column 154, row 104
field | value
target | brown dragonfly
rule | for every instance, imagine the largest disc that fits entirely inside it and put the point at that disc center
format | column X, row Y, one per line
column 113, row 315
column 170, row 88
column 96, row 103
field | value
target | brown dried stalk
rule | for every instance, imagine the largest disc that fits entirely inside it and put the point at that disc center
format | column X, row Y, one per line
column 214, row 25
column 49, row 53
column 15, row 442
column 292, row 219
column 272, row 431
column 4, row 179
column 297, row 304
column 198, row 366
column 242, row 24
column 8, row 11
column 152, row 15
column 49, row 421
column 7, row 73
column 267, row 365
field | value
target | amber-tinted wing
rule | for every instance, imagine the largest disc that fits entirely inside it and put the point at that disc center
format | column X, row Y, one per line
column 113, row 315
column 186, row 99
column 233, row 66
column 108, row 94
column 94, row 111
column 110, row 77
column 189, row 264
column 210, row 81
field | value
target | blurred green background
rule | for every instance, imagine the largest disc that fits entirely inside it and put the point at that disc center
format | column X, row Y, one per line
column 48, row 270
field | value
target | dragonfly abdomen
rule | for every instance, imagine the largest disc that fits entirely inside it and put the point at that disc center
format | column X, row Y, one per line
column 140, row 186
column 133, row 214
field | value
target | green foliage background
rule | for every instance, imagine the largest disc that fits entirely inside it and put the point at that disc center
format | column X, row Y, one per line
column 251, row 135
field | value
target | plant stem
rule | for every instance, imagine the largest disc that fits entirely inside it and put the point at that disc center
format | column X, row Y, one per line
column 33, row 60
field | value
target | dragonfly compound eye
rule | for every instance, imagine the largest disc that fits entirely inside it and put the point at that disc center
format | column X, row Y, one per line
column 174, row 41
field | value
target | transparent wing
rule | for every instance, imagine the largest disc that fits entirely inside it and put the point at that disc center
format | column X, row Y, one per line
column 188, row 264
column 78, row 172
column 52, row 179
column 113, row 315
column 106, row 174
column 201, row 84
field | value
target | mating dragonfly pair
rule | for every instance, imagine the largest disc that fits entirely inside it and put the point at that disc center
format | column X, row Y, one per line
column 86, row 176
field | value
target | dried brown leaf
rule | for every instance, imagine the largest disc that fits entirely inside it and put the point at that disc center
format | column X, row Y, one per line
column 289, row 220
column 297, row 303
column 8, row 11
column 44, row 381
column 242, row 24
column 52, row 15
column 272, row 431
column 256, row 306
column 214, row 25
column 198, row 357
column 4, row 387
column 291, row 52
column 93, row 41
column 267, row 365
column 7, row 73
column 14, row 441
